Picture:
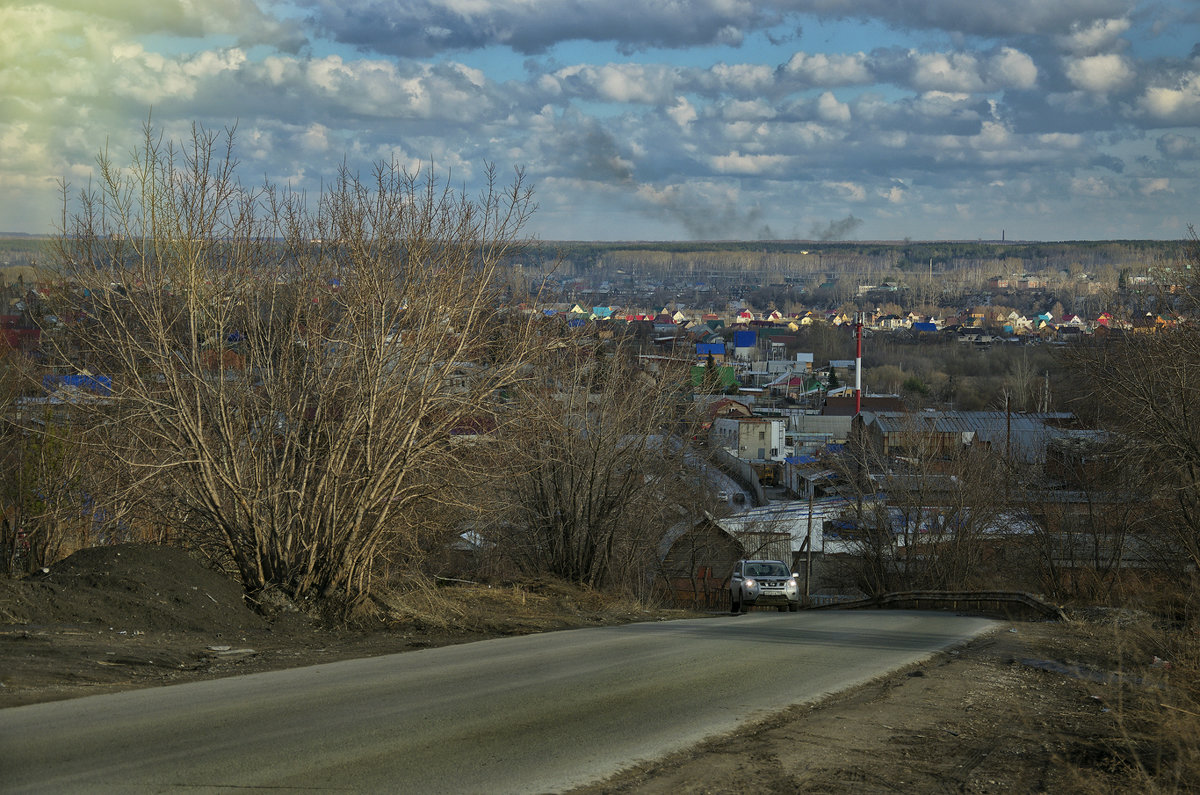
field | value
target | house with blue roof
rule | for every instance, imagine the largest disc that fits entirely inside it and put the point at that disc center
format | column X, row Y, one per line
column 714, row 349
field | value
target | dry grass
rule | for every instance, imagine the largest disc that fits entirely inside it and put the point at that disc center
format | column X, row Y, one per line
column 1160, row 720
column 1153, row 743
column 510, row 608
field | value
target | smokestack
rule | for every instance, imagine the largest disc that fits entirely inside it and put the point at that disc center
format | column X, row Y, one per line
column 858, row 363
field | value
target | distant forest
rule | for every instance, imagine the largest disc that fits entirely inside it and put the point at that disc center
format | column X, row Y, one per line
column 997, row 258
column 1086, row 277
column 829, row 272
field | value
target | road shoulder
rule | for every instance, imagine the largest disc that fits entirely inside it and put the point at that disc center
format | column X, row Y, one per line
column 979, row 718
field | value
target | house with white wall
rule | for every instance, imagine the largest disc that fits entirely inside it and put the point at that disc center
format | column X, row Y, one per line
column 750, row 438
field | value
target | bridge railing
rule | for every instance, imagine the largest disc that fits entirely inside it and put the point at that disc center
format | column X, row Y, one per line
column 1006, row 602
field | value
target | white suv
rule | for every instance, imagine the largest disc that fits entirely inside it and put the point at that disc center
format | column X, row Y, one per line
column 763, row 582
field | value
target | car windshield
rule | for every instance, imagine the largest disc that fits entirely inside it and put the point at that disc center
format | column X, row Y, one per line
column 768, row 569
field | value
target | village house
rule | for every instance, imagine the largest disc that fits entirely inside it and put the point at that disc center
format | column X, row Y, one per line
column 756, row 439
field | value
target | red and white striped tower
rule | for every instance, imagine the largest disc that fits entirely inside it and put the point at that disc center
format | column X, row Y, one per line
column 858, row 318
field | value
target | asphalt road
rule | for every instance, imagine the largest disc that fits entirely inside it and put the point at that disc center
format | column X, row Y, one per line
column 540, row 713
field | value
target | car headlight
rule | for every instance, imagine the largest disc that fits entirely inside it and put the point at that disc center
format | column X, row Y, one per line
column 792, row 585
column 751, row 583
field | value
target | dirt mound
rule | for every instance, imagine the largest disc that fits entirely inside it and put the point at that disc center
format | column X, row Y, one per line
column 136, row 587
column 135, row 615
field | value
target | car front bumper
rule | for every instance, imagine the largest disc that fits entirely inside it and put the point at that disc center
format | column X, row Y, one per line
column 772, row 598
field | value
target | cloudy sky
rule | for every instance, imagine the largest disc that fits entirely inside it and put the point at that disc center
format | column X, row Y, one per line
column 648, row 119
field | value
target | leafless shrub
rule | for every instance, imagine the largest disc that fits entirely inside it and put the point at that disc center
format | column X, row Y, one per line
column 1142, row 386
column 925, row 514
column 287, row 377
column 594, row 468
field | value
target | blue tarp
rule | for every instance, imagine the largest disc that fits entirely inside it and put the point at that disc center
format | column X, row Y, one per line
column 800, row 459
column 100, row 384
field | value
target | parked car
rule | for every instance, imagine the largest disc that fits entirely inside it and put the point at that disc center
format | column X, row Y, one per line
column 763, row 582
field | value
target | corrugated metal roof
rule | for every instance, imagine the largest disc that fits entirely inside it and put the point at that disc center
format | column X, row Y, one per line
column 1025, row 433
column 783, row 514
column 981, row 422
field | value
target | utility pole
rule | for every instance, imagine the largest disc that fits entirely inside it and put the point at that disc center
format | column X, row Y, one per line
column 1007, row 447
column 808, row 560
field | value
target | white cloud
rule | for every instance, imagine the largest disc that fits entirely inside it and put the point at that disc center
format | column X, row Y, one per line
column 20, row 148
column 934, row 104
column 850, row 191
column 993, row 136
column 738, row 163
column 244, row 19
column 1150, row 186
column 1061, row 140
column 682, row 112
column 315, row 138
column 633, row 83
column 821, row 69
column 742, row 78
column 1179, row 105
column 1096, row 36
column 1011, row 68
column 995, row 18
column 739, row 137
column 998, row 69
column 945, row 72
column 1100, row 74
column 1092, row 187
column 372, row 87
column 830, row 110
column 749, row 133
column 809, row 135
column 1181, row 147
column 647, row 84
column 419, row 28
column 150, row 78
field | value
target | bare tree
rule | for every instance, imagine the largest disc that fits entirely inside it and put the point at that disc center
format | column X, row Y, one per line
column 51, row 493
column 1144, row 388
column 1089, row 517
column 598, row 469
column 40, row 494
column 922, row 514
column 287, row 376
